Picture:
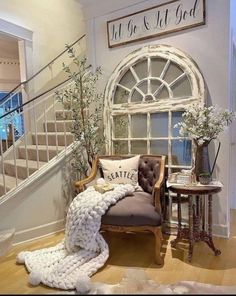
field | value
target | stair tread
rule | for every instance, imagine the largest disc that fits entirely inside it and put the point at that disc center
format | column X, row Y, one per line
column 22, row 162
column 57, row 120
column 10, row 181
column 43, row 147
column 53, row 133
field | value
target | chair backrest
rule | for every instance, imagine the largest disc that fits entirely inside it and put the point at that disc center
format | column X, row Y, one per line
column 148, row 169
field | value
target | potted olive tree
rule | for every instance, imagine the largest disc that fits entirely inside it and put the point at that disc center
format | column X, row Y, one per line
column 86, row 105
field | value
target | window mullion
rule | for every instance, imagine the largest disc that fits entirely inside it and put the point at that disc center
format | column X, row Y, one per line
column 169, row 139
column 111, row 143
column 137, row 79
column 149, row 75
column 129, row 133
column 148, row 132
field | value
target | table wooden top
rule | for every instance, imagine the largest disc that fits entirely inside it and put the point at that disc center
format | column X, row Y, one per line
column 194, row 189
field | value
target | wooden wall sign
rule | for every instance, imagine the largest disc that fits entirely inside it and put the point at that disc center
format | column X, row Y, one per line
column 159, row 20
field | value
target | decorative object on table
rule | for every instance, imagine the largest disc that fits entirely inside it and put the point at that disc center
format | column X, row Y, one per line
column 102, row 186
column 202, row 124
column 204, row 178
column 183, row 177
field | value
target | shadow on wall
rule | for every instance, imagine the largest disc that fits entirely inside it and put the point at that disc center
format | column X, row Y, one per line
column 6, row 239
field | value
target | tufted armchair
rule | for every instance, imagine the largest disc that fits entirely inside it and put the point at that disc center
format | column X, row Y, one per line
column 142, row 210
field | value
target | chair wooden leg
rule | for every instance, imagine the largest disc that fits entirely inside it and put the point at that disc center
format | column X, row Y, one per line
column 158, row 241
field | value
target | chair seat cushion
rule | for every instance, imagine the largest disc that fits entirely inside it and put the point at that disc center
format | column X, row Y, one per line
column 135, row 210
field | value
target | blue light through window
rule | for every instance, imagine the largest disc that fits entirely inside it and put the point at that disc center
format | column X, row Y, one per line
column 15, row 119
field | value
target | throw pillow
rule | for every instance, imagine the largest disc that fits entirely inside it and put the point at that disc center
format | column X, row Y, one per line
column 123, row 171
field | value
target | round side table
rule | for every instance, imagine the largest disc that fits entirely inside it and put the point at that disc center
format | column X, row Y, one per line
column 198, row 229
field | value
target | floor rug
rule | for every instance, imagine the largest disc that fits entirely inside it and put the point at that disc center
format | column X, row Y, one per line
column 137, row 282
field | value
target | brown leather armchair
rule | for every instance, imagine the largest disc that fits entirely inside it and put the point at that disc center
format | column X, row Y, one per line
column 141, row 211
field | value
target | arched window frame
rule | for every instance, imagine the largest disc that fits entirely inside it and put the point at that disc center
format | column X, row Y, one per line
column 172, row 104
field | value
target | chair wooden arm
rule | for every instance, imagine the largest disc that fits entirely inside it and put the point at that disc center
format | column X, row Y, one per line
column 80, row 185
column 157, row 187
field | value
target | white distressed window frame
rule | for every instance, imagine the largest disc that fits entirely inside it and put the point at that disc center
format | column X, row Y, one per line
column 170, row 54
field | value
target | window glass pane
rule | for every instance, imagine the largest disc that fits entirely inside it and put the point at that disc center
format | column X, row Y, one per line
column 141, row 69
column 176, row 118
column 120, row 147
column 121, row 126
column 159, row 124
column 139, row 126
column 138, row 147
column 159, row 147
column 121, row 95
column 163, row 94
column 143, row 86
column 136, row 96
column 175, row 170
column 157, row 65
column 172, row 72
column 182, row 88
column 3, row 125
column 128, row 80
column 154, row 85
column 15, row 119
column 181, row 152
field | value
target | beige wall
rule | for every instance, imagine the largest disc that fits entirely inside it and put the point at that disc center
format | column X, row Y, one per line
column 9, row 74
column 53, row 23
column 9, row 63
column 40, row 208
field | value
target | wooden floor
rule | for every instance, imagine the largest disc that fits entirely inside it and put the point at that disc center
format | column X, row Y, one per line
column 135, row 251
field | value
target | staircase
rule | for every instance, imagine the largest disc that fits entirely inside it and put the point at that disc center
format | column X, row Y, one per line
column 25, row 158
column 36, row 185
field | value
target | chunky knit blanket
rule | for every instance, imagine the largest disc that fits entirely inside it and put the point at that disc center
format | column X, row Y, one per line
column 69, row 264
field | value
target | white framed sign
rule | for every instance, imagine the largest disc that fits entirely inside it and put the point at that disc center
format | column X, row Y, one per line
column 162, row 19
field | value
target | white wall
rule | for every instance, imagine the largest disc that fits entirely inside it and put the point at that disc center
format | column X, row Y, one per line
column 208, row 45
column 233, row 102
column 40, row 208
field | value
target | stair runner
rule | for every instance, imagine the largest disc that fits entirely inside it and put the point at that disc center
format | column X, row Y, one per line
column 55, row 133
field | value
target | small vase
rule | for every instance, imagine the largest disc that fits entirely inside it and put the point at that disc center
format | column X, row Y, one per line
column 204, row 179
column 202, row 161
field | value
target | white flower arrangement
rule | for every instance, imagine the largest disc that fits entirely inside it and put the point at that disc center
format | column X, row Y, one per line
column 203, row 124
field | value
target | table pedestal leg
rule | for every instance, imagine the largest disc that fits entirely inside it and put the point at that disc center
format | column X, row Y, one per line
column 208, row 238
column 191, row 240
column 174, row 241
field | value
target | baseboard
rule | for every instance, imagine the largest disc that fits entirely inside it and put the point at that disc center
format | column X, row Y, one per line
column 38, row 232
column 220, row 230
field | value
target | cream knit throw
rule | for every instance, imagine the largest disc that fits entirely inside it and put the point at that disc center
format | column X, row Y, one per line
column 69, row 264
